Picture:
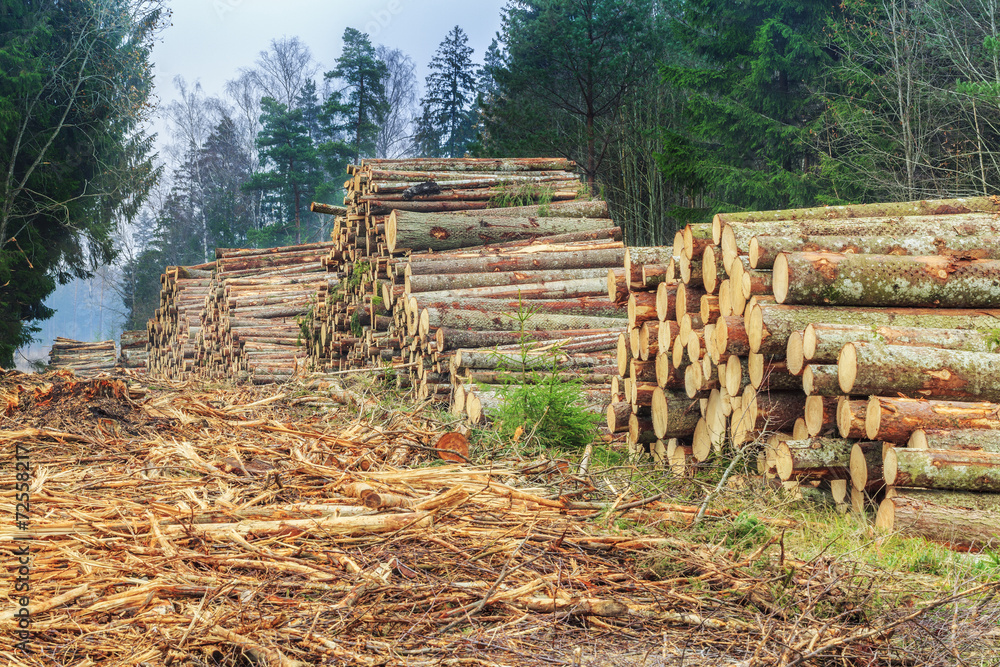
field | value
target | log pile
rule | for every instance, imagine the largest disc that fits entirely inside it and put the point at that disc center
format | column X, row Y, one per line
column 256, row 305
column 175, row 328
column 132, row 350
column 432, row 281
column 822, row 340
column 351, row 327
column 84, row 359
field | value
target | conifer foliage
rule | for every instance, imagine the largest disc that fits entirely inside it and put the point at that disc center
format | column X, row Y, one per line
column 447, row 123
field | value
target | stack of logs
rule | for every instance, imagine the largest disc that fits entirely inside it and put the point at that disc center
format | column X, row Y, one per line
column 84, row 359
column 351, row 328
column 256, row 305
column 174, row 330
column 132, row 350
column 832, row 338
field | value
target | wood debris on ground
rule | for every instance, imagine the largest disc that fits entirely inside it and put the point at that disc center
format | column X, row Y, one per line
column 193, row 525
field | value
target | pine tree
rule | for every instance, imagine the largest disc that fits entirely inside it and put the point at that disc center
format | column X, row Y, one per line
column 292, row 168
column 447, row 122
column 361, row 106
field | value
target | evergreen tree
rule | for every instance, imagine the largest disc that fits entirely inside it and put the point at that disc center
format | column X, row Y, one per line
column 569, row 67
column 361, row 106
column 447, row 122
column 749, row 105
column 292, row 170
column 74, row 95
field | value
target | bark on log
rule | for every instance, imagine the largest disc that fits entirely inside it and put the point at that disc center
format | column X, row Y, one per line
column 759, row 412
column 815, row 458
column 636, row 258
column 967, row 439
column 763, row 250
column 952, row 470
column 457, row 318
column 885, row 280
column 822, row 380
column 405, row 229
column 553, row 290
column 770, row 325
column 451, row 339
column 420, row 265
column 455, row 281
column 674, row 414
column 851, row 419
column 956, row 526
column 820, row 414
column 870, row 368
column 895, row 419
column 822, row 343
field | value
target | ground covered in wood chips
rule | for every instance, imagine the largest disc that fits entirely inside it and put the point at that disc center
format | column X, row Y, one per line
column 190, row 525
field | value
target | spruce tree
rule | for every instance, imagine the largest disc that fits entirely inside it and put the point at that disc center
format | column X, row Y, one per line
column 749, row 104
column 360, row 107
column 447, row 122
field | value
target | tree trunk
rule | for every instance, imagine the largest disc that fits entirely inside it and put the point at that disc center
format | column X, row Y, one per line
column 674, row 414
column 480, row 320
column 965, row 439
column 765, row 249
column 581, row 259
column 822, row 343
column 885, row 280
column 895, row 419
column 437, row 232
column 958, row 526
column 815, row 458
column 953, row 470
column 869, row 368
column 770, row 325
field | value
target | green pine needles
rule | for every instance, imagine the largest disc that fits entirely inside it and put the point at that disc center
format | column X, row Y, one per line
column 543, row 406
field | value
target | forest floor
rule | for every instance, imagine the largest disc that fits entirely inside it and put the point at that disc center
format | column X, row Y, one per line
column 205, row 524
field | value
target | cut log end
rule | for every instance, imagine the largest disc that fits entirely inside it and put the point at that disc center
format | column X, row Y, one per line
column 794, row 358
column 890, row 466
column 847, row 367
column 918, row 440
column 809, row 342
column 873, row 418
column 885, row 518
column 779, row 278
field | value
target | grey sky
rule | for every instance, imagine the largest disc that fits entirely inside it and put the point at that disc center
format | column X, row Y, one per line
column 209, row 40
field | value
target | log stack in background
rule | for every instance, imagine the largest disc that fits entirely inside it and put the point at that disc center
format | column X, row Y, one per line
column 84, row 359
column 175, row 328
column 256, row 306
column 434, row 274
column 831, row 336
column 132, row 350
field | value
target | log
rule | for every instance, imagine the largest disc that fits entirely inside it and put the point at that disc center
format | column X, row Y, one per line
column 822, row 380
column 815, row 458
column 967, row 439
column 957, row 526
column 553, row 290
column 456, row 281
column 851, row 419
column 674, row 414
column 763, row 250
column 451, row 339
column 870, row 368
column 885, row 280
column 822, row 343
column 820, row 413
column 543, row 261
column 759, row 412
column 770, row 325
column 866, row 466
column 437, row 231
column 618, row 414
column 516, row 165
column 954, row 470
column 457, row 318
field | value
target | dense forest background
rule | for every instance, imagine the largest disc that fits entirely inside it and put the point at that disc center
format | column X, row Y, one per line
column 672, row 110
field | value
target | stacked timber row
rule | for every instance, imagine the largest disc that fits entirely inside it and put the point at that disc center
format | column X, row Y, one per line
column 256, row 305
column 663, row 386
column 84, row 359
column 175, row 328
column 132, row 350
column 393, row 209
column 837, row 336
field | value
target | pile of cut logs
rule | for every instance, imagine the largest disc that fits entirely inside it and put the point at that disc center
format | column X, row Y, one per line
column 84, row 359
column 350, row 329
column 255, row 308
column 833, row 338
column 438, row 256
column 132, row 350
column 174, row 330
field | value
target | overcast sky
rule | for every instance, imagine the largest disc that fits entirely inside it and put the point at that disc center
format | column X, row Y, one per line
column 209, row 40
